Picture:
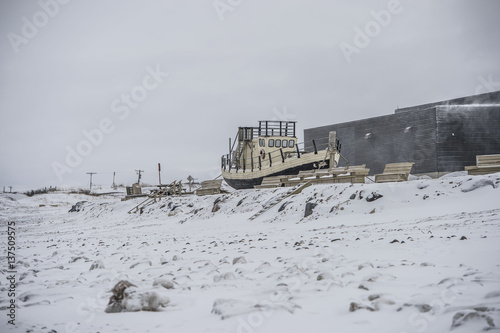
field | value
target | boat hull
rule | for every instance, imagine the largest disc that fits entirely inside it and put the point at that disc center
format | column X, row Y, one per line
column 249, row 182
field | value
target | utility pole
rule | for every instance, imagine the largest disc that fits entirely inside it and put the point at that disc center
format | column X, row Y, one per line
column 139, row 173
column 159, row 173
column 91, row 173
column 114, row 185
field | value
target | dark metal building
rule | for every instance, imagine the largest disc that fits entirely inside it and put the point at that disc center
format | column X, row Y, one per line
column 439, row 137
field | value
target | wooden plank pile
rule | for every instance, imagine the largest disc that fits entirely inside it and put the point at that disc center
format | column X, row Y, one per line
column 485, row 164
column 209, row 187
column 351, row 174
column 394, row 172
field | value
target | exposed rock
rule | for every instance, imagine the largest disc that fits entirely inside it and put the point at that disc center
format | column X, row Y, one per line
column 463, row 238
column 77, row 207
column 239, row 260
column 373, row 196
column 427, row 264
column 224, row 260
column 309, row 208
column 215, row 208
column 422, row 185
column 283, row 206
column 461, row 318
column 365, row 265
column 394, row 241
column 353, row 196
column 355, row 306
column 174, row 207
column 420, row 307
column 146, row 262
column 98, row 264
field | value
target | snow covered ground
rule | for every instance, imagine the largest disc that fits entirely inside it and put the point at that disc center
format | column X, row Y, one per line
column 424, row 257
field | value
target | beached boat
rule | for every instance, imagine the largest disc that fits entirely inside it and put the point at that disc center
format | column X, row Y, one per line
column 271, row 149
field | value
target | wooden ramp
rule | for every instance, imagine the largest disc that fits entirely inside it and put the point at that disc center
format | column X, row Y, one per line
column 174, row 188
column 280, row 198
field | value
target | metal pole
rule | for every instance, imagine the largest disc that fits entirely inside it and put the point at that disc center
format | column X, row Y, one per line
column 315, row 149
column 159, row 173
column 298, row 152
column 282, row 156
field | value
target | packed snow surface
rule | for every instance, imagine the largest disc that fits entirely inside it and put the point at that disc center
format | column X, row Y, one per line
column 416, row 256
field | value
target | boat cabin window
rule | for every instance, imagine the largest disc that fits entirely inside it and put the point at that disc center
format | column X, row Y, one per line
column 285, row 143
column 262, row 142
column 292, row 143
column 278, row 143
column 271, row 143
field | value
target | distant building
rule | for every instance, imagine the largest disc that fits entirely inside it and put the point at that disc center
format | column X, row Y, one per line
column 439, row 137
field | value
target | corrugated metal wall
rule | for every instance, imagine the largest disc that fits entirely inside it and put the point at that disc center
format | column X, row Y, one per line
column 464, row 132
column 405, row 137
column 438, row 137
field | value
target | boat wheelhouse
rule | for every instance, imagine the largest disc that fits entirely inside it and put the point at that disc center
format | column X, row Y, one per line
column 271, row 149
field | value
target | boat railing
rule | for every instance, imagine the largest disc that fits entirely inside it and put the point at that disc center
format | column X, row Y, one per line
column 239, row 164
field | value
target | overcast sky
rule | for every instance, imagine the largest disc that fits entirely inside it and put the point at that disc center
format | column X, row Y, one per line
column 170, row 81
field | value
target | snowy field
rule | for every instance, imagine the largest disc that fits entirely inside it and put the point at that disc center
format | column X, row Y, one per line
column 424, row 257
